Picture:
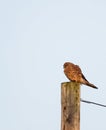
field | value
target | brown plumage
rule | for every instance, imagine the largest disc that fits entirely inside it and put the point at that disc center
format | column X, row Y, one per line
column 74, row 73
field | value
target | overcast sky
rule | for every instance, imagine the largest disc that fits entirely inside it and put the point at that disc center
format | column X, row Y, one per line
column 36, row 38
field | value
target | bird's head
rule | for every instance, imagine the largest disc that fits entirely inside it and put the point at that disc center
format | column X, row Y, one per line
column 66, row 64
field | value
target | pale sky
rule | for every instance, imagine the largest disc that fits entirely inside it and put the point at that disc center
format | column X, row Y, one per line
column 37, row 37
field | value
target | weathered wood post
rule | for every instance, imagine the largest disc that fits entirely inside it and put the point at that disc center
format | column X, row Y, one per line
column 70, row 106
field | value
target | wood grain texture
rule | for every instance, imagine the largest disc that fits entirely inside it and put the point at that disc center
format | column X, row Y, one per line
column 70, row 106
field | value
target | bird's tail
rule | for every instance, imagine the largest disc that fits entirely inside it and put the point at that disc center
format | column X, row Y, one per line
column 89, row 84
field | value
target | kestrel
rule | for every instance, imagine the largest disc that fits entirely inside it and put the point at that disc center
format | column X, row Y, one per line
column 74, row 73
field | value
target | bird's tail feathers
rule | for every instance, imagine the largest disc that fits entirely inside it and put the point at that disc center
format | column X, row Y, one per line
column 89, row 84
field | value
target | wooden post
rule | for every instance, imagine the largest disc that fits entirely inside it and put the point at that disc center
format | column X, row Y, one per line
column 70, row 106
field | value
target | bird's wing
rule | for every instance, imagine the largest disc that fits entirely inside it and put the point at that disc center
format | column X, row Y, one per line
column 77, row 68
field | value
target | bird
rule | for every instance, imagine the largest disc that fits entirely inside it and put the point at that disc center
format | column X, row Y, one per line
column 74, row 73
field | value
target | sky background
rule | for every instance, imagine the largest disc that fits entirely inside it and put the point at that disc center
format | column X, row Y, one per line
column 37, row 37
